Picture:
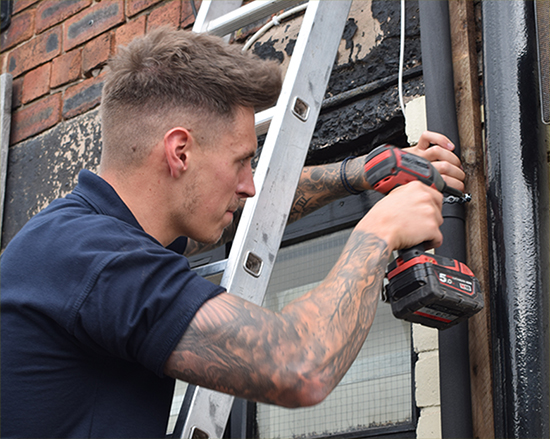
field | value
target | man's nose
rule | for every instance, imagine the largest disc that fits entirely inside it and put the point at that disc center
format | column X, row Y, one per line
column 246, row 188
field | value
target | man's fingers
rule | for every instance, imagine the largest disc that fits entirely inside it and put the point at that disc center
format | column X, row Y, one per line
column 408, row 215
column 445, row 162
column 431, row 138
column 435, row 243
column 452, row 175
column 436, row 153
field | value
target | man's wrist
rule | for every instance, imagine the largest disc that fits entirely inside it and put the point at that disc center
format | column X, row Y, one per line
column 344, row 179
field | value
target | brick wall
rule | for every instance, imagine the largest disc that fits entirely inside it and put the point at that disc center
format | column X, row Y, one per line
column 56, row 51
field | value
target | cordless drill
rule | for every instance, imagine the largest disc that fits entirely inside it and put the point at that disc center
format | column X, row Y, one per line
column 430, row 289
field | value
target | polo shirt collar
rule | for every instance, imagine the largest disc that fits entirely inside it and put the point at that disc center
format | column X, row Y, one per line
column 103, row 198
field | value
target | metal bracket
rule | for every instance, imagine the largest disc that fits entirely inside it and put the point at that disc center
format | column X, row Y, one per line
column 452, row 199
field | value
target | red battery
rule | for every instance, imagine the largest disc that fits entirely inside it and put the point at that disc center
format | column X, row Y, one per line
column 432, row 290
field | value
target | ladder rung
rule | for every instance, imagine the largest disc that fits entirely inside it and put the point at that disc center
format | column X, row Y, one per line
column 263, row 120
column 246, row 15
column 211, row 269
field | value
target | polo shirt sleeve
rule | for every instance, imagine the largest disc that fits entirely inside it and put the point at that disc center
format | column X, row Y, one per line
column 139, row 303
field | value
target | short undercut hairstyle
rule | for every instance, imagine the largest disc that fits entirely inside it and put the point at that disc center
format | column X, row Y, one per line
column 171, row 72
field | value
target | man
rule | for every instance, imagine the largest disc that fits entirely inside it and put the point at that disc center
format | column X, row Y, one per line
column 99, row 317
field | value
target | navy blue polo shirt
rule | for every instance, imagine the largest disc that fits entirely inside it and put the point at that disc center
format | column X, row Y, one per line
column 92, row 306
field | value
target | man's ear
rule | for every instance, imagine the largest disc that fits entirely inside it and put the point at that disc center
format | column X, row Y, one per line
column 177, row 143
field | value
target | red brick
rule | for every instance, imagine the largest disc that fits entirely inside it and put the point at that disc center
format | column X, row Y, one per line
column 135, row 6
column 168, row 13
column 16, row 92
column 50, row 12
column 34, row 52
column 66, row 68
column 35, row 118
column 92, row 22
column 126, row 33
column 21, row 29
column 187, row 16
column 36, row 83
column 82, row 97
column 19, row 5
column 96, row 52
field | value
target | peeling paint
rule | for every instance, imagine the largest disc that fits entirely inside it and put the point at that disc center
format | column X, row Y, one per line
column 366, row 37
column 46, row 167
column 368, row 52
column 267, row 50
column 357, row 127
column 360, row 36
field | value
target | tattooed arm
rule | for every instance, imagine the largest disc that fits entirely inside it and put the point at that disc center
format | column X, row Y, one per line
column 297, row 356
column 321, row 185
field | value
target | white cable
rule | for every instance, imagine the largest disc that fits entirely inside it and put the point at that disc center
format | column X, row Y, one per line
column 401, row 57
column 275, row 21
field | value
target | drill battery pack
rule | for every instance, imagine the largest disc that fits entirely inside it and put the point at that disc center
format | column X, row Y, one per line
column 432, row 290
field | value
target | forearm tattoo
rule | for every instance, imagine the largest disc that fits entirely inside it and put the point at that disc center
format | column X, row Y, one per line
column 318, row 186
column 237, row 347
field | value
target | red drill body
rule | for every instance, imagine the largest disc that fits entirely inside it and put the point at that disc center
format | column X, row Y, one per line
column 424, row 288
column 388, row 167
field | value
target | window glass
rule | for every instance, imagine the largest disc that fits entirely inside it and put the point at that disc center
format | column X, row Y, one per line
column 376, row 391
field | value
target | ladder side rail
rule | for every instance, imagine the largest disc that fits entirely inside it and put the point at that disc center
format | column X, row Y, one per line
column 6, row 81
column 263, row 120
column 264, row 217
column 247, row 14
column 285, row 148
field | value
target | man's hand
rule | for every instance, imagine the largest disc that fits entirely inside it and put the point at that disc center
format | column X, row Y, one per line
column 437, row 148
column 408, row 215
column 431, row 146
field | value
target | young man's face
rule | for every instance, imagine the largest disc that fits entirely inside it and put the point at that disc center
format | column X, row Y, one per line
column 222, row 177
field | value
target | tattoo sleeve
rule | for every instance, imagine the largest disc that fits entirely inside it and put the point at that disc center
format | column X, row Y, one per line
column 317, row 187
column 294, row 357
column 320, row 185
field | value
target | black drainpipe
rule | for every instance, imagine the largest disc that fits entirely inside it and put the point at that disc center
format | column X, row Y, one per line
column 518, row 218
column 454, row 367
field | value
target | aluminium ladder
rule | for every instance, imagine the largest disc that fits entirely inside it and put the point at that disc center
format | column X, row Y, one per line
column 291, row 122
